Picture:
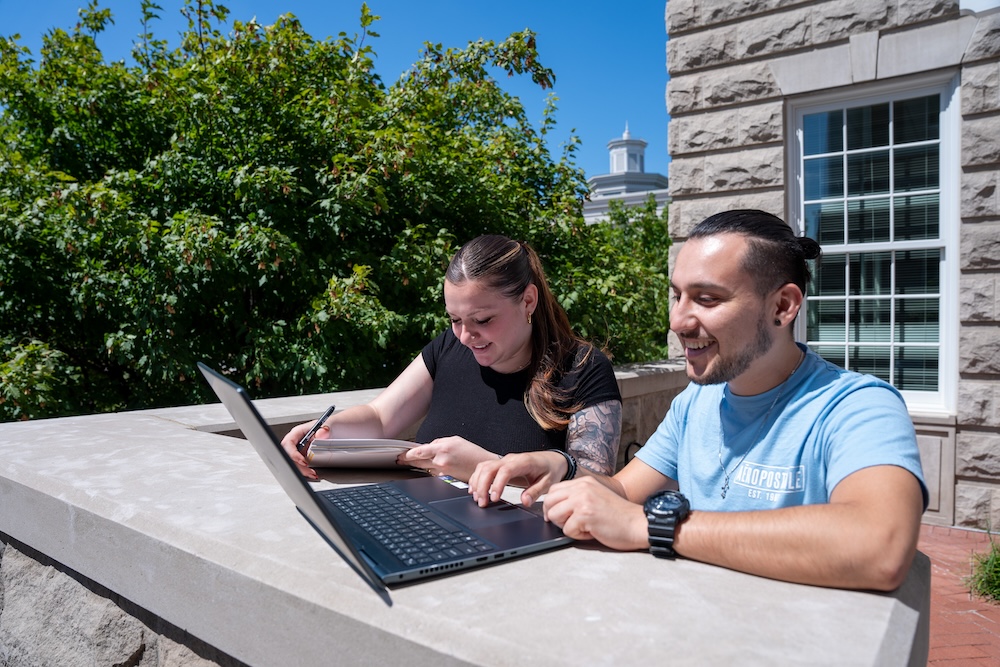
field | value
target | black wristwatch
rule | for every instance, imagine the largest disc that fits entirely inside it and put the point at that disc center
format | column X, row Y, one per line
column 665, row 510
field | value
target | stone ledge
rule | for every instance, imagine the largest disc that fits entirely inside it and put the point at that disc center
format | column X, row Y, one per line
column 190, row 526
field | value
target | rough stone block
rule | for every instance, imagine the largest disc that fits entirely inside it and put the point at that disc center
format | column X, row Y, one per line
column 979, row 144
column 980, row 246
column 978, row 403
column 702, row 49
column 686, row 176
column 775, row 34
column 980, row 194
column 702, row 132
column 685, row 15
column 977, row 455
column 979, row 349
column 761, row 123
column 978, row 298
column 919, row 11
column 985, row 41
column 972, row 505
column 741, row 84
column 748, row 169
column 981, row 88
column 724, row 129
column 835, row 21
column 681, row 15
column 51, row 619
column 683, row 94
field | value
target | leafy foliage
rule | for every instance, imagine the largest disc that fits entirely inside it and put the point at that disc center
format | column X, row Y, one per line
column 262, row 201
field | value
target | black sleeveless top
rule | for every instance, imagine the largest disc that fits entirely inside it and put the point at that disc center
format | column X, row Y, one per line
column 487, row 407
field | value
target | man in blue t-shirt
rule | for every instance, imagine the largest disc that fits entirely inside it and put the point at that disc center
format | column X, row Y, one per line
column 772, row 461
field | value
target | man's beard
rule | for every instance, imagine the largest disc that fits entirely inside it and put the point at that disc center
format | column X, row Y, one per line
column 727, row 369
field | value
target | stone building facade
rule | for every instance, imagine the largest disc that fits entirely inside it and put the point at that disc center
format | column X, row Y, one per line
column 885, row 115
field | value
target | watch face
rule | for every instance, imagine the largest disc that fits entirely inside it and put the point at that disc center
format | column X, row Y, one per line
column 666, row 502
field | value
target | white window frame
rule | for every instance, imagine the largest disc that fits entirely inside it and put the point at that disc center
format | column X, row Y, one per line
column 942, row 403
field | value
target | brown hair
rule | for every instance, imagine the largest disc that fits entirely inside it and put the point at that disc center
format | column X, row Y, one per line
column 508, row 267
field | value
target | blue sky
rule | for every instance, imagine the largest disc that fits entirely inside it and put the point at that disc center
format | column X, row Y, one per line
column 609, row 58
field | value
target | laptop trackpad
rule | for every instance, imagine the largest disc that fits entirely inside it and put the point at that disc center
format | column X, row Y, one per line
column 468, row 513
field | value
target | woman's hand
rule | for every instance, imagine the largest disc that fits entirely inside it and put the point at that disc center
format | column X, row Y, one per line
column 535, row 470
column 290, row 443
column 454, row 456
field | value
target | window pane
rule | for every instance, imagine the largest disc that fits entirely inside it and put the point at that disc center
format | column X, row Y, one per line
column 872, row 360
column 824, row 178
column 835, row 354
column 868, row 221
column 917, row 368
column 868, row 126
column 867, row 173
column 871, row 273
column 918, row 271
column 823, row 132
column 917, row 119
column 829, row 277
column 827, row 322
column 871, row 321
column 825, row 222
column 916, row 217
column 917, row 321
column 916, row 168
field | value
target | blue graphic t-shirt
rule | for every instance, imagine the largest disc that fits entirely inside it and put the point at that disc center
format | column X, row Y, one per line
column 826, row 423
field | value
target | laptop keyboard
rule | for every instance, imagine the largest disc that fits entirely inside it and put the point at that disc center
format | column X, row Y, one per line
column 408, row 529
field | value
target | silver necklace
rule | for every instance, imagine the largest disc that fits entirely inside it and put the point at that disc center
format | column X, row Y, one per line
column 767, row 417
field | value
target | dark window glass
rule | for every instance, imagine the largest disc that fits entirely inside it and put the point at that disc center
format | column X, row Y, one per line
column 871, row 273
column 868, row 221
column 917, row 321
column 823, row 132
column 916, row 168
column 824, row 178
column 871, row 360
column 917, row 368
column 916, row 217
column 868, row 127
column 825, row 222
column 918, row 271
column 867, row 173
column 917, row 119
column 829, row 276
column 871, row 321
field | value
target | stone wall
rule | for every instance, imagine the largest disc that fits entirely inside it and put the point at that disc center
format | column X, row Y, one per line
column 50, row 615
column 977, row 443
column 734, row 65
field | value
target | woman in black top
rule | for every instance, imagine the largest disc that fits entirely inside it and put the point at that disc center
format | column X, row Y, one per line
column 509, row 376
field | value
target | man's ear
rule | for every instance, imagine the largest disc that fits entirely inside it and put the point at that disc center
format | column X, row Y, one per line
column 785, row 304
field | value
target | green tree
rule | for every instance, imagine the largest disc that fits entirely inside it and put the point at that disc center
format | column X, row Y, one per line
column 261, row 201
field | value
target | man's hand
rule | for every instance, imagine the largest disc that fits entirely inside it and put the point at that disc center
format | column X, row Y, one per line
column 587, row 508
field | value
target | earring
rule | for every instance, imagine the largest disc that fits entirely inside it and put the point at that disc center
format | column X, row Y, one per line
column 777, row 322
column 529, row 318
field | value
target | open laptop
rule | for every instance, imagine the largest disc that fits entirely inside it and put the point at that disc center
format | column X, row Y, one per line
column 448, row 531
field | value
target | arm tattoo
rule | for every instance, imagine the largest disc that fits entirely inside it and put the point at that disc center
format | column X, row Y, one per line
column 593, row 436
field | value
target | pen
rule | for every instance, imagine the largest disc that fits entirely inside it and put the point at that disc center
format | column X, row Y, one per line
column 307, row 438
